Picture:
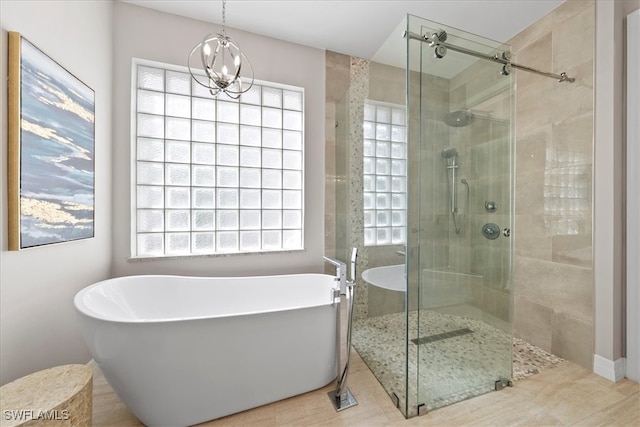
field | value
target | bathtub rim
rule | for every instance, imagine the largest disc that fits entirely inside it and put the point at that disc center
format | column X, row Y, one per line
column 82, row 309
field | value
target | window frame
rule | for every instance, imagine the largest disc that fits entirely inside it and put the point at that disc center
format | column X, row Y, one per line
column 134, row 232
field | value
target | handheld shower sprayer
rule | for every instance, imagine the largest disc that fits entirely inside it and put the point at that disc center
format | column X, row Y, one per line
column 448, row 152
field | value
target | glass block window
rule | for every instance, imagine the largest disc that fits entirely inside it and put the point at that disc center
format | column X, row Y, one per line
column 215, row 175
column 385, row 174
column 567, row 193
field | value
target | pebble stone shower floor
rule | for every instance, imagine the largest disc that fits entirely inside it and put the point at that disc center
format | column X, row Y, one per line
column 452, row 353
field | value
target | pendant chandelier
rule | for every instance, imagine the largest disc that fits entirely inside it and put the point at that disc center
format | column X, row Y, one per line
column 221, row 61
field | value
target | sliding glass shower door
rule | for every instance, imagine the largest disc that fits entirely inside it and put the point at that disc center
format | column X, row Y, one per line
column 460, row 205
column 422, row 183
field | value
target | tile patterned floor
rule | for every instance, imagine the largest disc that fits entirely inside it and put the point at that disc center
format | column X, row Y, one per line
column 452, row 368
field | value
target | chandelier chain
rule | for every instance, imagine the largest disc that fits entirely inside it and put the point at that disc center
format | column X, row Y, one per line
column 224, row 16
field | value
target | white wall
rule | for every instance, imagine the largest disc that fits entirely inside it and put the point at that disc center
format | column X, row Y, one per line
column 609, row 225
column 633, row 197
column 157, row 36
column 37, row 325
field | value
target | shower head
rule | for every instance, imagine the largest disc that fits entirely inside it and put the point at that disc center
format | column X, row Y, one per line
column 448, row 152
column 459, row 118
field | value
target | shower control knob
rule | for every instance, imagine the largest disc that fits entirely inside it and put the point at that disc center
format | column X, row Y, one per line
column 491, row 231
column 490, row 206
column 506, row 232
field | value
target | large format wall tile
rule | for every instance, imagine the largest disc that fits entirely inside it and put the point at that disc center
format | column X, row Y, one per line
column 531, row 239
column 533, row 323
column 552, row 271
column 553, row 274
column 573, row 40
column 563, row 288
column 572, row 339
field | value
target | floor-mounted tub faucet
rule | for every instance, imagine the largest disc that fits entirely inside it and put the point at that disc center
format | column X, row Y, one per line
column 341, row 397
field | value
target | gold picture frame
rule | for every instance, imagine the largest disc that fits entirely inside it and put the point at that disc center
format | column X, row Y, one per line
column 51, row 146
column 13, row 135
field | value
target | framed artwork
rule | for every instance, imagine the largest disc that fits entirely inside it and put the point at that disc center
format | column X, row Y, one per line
column 51, row 140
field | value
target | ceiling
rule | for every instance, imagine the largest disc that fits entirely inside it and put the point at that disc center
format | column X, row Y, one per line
column 358, row 27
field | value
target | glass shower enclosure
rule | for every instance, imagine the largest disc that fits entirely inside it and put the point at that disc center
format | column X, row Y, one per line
column 424, row 182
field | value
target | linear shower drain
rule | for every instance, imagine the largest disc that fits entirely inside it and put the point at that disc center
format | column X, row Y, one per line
column 443, row 336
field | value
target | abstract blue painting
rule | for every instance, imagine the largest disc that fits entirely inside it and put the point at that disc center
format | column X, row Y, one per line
column 57, row 147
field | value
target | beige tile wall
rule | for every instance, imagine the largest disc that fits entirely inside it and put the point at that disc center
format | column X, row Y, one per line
column 553, row 272
column 347, row 86
column 337, row 83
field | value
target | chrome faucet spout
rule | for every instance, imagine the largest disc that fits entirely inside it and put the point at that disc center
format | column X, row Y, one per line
column 341, row 273
column 333, row 261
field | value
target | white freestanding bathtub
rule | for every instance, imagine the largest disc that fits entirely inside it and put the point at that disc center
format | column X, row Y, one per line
column 182, row 350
